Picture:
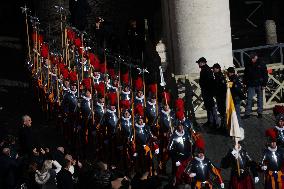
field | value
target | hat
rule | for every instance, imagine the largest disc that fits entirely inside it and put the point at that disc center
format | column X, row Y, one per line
column 138, row 83
column 231, row 70
column 125, row 104
column 112, row 97
column 202, row 59
column 216, row 65
column 271, row 135
column 139, row 110
column 200, row 145
column 179, row 104
column 180, row 115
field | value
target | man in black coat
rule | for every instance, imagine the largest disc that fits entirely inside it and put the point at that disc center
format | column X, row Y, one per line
column 8, row 168
column 220, row 94
column 26, row 139
column 255, row 80
column 64, row 177
column 207, row 86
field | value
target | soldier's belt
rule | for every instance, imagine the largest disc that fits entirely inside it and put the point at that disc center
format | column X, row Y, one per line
column 200, row 184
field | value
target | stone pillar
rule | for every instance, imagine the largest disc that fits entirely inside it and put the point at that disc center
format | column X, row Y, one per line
column 270, row 30
column 199, row 28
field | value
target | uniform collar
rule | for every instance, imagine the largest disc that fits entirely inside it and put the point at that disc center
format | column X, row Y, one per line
column 87, row 98
column 199, row 159
column 179, row 134
column 139, row 98
column 126, row 93
column 279, row 128
column 272, row 149
column 166, row 112
column 126, row 119
column 139, row 126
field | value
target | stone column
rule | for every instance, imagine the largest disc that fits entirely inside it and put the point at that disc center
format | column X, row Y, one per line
column 271, row 34
column 199, row 28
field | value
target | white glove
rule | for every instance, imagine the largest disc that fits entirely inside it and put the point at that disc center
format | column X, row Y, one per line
column 157, row 151
column 135, row 154
column 235, row 153
column 222, row 185
column 177, row 163
column 191, row 175
column 264, row 168
column 256, row 179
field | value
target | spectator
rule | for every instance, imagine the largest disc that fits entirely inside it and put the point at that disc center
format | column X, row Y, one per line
column 58, row 155
column 237, row 92
column 8, row 167
column 64, row 177
column 26, row 140
column 46, row 178
column 206, row 83
column 255, row 80
column 221, row 88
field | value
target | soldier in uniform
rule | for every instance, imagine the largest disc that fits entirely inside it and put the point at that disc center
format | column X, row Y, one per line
column 151, row 113
column 87, row 116
column 125, row 93
column 279, row 128
column 139, row 96
column 200, row 167
column 127, row 139
column 241, row 167
column 272, row 162
column 111, row 123
column 180, row 146
column 143, row 135
column 166, row 130
column 99, row 121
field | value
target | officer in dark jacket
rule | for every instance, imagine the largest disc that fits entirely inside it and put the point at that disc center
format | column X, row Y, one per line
column 255, row 79
column 236, row 91
column 207, row 86
column 221, row 88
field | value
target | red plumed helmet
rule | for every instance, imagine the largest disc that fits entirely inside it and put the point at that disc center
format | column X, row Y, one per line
column 125, row 78
column 166, row 96
column 112, row 97
column 200, row 145
column 73, row 76
column 101, row 88
column 87, row 83
column 180, row 115
column 70, row 34
column 44, row 50
column 139, row 110
column 65, row 73
column 153, row 88
column 179, row 104
column 111, row 72
column 138, row 83
column 94, row 61
column 271, row 134
column 78, row 43
column 125, row 104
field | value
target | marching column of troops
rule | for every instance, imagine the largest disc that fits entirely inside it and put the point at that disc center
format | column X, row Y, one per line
column 106, row 110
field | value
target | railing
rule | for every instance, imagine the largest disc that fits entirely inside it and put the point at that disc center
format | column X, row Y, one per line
column 271, row 54
column 272, row 95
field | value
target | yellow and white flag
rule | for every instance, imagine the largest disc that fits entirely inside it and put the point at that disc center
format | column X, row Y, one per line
column 231, row 115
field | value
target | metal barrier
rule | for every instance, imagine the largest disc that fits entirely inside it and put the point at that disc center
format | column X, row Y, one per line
column 271, row 54
column 272, row 95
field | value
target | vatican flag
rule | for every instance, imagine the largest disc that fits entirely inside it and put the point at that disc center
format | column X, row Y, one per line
column 231, row 115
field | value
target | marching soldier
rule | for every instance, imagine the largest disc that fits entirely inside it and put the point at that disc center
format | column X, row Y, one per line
column 180, row 146
column 272, row 162
column 241, row 167
column 279, row 128
column 151, row 113
column 143, row 136
column 200, row 167
column 111, row 124
column 125, row 93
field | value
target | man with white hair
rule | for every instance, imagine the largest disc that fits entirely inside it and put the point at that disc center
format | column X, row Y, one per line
column 26, row 139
